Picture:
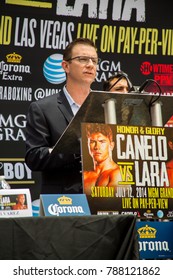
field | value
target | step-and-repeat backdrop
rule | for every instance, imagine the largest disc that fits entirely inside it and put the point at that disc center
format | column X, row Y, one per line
column 135, row 36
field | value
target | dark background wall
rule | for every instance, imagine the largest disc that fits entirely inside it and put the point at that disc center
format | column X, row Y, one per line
column 134, row 36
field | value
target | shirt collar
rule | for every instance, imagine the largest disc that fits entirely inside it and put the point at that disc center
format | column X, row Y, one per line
column 74, row 106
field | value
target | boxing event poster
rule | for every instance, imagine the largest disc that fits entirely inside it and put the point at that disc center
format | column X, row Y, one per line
column 15, row 203
column 133, row 36
column 140, row 157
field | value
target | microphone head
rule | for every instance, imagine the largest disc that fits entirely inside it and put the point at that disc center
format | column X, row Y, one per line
column 143, row 86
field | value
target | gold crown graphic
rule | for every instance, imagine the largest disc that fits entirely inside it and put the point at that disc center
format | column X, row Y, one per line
column 147, row 232
column 64, row 200
column 13, row 57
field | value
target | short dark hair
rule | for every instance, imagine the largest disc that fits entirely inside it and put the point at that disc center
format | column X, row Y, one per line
column 104, row 129
column 83, row 41
column 119, row 75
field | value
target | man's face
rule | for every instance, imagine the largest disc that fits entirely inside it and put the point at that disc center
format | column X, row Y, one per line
column 121, row 86
column 100, row 147
column 21, row 199
column 77, row 70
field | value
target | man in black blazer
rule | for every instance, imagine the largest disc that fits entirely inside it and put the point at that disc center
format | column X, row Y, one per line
column 48, row 118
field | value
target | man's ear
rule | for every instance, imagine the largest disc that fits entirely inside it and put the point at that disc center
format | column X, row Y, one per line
column 65, row 66
column 170, row 144
column 112, row 145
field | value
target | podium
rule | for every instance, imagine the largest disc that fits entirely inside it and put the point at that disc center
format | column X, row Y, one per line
column 144, row 173
column 132, row 108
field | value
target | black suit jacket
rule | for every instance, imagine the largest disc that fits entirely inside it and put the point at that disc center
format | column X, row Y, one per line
column 46, row 121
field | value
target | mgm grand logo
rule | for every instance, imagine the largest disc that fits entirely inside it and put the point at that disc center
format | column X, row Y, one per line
column 148, row 232
column 64, row 206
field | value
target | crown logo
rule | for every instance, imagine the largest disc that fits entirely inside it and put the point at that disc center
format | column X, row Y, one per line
column 64, row 200
column 147, row 232
column 14, row 57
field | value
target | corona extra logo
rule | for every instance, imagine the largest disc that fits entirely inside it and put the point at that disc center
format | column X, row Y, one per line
column 14, row 58
column 64, row 200
column 147, row 232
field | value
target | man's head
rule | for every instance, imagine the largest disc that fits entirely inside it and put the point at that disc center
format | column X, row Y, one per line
column 119, row 82
column 21, row 199
column 68, row 52
column 80, row 61
column 100, row 141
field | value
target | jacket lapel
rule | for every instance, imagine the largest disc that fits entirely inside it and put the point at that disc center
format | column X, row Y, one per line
column 64, row 106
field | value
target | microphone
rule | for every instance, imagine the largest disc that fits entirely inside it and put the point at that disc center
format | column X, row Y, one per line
column 143, row 86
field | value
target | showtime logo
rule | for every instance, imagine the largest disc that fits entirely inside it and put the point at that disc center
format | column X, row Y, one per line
column 163, row 73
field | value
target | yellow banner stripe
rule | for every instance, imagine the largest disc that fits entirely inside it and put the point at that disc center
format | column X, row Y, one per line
column 30, row 3
column 20, row 182
column 12, row 159
column 125, row 163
